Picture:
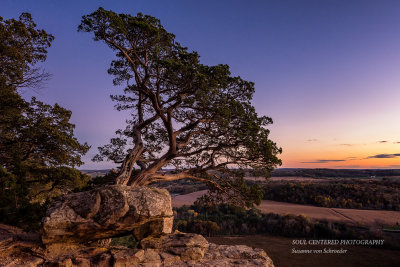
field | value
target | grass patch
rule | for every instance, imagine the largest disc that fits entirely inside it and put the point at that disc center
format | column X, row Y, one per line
column 126, row 241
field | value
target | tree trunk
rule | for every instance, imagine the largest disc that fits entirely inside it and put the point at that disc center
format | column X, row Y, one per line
column 139, row 180
column 127, row 166
column 144, row 175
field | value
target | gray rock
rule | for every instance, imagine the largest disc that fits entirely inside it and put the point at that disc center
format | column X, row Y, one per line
column 107, row 212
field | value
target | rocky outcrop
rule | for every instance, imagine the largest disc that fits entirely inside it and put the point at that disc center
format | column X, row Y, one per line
column 177, row 249
column 181, row 249
column 76, row 227
column 18, row 248
column 185, row 247
column 107, row 212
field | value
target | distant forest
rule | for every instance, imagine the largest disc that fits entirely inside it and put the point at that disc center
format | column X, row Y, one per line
column 230, row 220
column 338, row 193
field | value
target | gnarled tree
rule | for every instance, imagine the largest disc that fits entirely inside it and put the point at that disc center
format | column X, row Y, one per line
column 195, row 119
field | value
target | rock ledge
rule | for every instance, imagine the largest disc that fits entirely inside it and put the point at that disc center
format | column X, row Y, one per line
column 177, row 249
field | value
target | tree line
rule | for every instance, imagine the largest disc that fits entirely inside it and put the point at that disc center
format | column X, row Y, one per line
column 232, row 220
column 338, row 193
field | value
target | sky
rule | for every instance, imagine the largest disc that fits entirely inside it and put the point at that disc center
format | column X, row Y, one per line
column 327, row 72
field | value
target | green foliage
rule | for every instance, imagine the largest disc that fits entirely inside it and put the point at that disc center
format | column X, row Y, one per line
column 48, row 183
column 244, row 195
column 37, row 143
column 392, row 228
column 107, row 179
column 22, row 45
column 338, row 193
column 15, row 207
column 26, row 193
column 233, row 220
column 181, row 187
column 128, row 241
column 40, row 134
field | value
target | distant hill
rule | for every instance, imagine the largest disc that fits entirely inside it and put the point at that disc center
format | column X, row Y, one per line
column 94, row 173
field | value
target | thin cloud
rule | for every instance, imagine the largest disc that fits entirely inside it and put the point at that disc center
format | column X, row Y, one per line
column 382, row 142
column 325, row 161
column 398, row 142
column 346, row 144
column 384, row 156
column 312, row 140
column 350, row 144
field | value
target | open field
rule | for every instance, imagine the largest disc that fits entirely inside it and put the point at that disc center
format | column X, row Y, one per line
column 188, row 199
column 372, row 218
column 280, row 248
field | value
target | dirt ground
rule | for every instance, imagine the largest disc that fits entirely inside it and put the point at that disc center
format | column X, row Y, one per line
column 280, row 251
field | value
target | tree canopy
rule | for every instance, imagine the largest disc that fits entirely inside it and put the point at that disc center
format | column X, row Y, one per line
column 194, row 119
column 31, row 131
column 22, row 46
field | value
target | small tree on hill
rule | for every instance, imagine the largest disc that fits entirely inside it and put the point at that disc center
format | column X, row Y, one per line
column 193, row 118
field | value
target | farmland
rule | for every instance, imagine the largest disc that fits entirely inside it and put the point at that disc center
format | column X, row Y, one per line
column 367, row 217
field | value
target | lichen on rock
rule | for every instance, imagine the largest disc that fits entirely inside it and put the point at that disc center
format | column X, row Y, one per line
column 107, row 212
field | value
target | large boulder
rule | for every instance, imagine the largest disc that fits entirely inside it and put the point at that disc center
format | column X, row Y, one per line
column 186, row 246
column 108, row 212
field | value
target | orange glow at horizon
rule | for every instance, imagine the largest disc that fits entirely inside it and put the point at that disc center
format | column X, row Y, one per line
column 342, row 156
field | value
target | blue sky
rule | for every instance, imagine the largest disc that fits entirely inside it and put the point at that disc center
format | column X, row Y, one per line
column 327, row 72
